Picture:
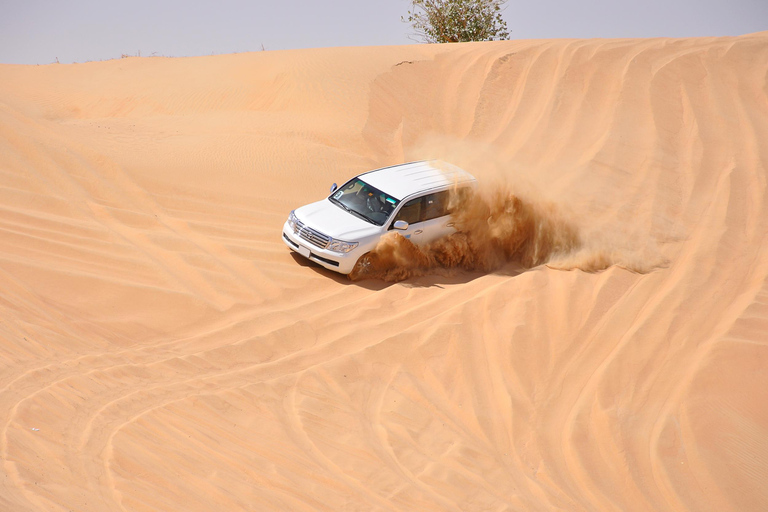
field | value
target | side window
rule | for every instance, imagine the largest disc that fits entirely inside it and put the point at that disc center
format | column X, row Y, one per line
column 436, row 205
column 411, row 211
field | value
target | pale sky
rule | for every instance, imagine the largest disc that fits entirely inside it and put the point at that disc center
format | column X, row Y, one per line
column 41, row 31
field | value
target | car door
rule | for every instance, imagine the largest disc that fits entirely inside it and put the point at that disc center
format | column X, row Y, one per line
column 427, row 218
column 436, row 222
column 411, row 212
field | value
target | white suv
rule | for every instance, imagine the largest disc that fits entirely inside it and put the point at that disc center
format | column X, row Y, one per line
column 411, row 198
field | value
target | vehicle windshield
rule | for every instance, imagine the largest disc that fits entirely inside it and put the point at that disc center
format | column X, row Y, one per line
column 364, row 201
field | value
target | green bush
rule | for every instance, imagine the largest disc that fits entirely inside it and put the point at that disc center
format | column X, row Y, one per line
column 454, row 21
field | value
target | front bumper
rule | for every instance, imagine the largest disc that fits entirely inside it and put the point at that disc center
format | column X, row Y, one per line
column 342, row 263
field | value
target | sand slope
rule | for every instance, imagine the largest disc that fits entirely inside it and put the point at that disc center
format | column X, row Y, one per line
column 160, row 348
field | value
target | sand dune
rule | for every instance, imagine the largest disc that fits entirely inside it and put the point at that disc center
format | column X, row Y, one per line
column 161, row 349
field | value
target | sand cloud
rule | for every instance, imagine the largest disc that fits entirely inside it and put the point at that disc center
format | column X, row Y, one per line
column 495, row 227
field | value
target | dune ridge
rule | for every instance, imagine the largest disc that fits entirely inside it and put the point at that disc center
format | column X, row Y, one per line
column 161, row 349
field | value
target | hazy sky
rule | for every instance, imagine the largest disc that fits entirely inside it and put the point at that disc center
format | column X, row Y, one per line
column 40, row 31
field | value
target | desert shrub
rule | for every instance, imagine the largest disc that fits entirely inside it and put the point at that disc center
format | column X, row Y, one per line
column 454, row 21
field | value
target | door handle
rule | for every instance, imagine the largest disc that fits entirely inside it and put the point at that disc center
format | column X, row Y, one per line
column 418, row 232
column 450, row 224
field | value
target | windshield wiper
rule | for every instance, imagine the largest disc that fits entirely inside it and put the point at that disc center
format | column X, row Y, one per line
column 358, row 214
column 353, row 212
column 336, row 201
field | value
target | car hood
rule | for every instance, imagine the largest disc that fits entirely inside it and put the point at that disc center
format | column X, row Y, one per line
column 331, row 220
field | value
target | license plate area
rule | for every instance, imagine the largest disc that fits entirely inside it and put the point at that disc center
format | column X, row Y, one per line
column 303, row 251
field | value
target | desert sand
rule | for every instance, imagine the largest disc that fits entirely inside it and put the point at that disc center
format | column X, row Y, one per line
column 162, row 350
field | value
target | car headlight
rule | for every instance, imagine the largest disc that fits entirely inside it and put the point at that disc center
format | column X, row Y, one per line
column 340, row 246
column 292, row 220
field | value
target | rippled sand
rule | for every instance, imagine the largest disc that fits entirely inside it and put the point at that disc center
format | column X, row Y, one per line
column 161, row 349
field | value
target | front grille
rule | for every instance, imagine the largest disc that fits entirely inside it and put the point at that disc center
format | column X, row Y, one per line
column 312, row 236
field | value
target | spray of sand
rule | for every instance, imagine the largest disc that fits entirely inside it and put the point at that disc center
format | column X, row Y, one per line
column 494, row 228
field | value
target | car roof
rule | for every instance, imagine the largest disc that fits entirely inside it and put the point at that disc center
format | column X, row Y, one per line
column 403, row 180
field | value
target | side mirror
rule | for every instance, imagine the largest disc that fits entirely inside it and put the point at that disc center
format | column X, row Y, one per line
column 400, row 224
column 333, row 188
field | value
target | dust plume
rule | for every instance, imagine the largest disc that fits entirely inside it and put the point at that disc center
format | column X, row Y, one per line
column 493, row 228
